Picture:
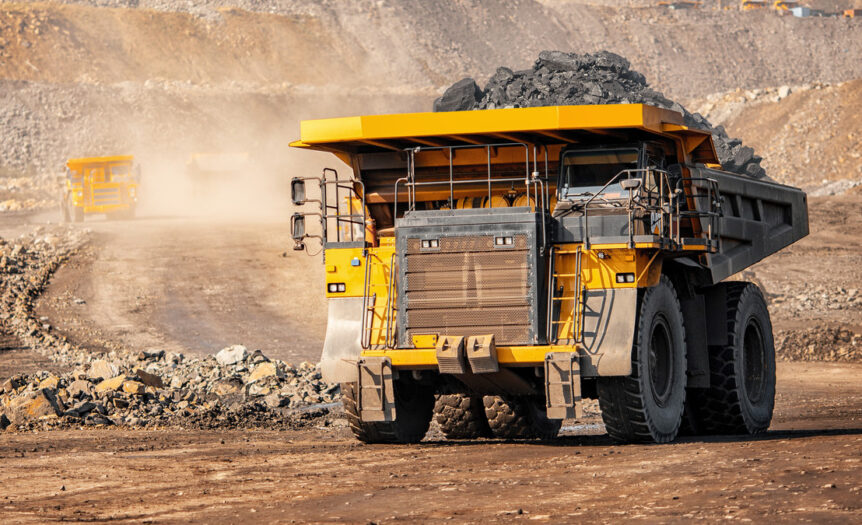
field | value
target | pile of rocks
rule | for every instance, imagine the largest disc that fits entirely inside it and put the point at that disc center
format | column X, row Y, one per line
column 156, row 388
column 818, row 344
column 798, row 299
column 559, row 78
column 233, row 388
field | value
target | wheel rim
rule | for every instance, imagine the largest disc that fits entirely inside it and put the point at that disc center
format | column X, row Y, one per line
column 754, row 362
column 661, row 361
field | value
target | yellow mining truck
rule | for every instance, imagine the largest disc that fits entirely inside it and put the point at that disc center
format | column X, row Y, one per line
column 100, row 185
column 590, row 262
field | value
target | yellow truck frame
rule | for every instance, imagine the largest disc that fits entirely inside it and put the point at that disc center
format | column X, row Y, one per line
column 106, row 185
column 604, row 281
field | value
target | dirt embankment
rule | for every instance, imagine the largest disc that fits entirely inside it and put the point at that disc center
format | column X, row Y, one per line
column 810, row 135
column 162, row 81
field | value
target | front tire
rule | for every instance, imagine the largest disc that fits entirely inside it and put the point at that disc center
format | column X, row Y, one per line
column 648, row 404
column 413, row 406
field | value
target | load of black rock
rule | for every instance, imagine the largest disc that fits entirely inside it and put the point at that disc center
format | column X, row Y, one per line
column 561, row 79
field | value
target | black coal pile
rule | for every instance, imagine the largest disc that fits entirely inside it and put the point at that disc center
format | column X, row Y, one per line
column 560, row 79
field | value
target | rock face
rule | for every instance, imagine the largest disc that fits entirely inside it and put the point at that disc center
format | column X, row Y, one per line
column 560, row 79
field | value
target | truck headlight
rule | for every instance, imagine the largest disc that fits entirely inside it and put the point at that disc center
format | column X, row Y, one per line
column 625, row 277
column 336, row 287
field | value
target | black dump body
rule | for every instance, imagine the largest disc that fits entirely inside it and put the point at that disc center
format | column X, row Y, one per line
column 758, row 218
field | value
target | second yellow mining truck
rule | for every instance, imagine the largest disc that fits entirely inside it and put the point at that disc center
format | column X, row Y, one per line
column 495, row 267
column 106, row 185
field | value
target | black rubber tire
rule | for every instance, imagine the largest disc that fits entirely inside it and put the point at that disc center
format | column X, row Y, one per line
column 521, row 417
column 648, row 404
column 461, row 416
column 741, row 395
column 413, row 409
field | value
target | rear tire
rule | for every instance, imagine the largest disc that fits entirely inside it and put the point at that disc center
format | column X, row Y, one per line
column 648, row 404
column 461, row 416
column 413, row 406
column 77, row 214
column 741, row 395
column 521, row 417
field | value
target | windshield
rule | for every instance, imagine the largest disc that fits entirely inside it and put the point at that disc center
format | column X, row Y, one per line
column 585, row 172
column 120, row 171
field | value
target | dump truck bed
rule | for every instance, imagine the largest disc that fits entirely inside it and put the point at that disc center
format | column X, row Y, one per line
column 759, row 217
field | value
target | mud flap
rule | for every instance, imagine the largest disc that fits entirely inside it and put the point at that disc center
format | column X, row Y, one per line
column 342, row 346
column 609, row 327
column 376, row 394
column 562, row 385
column 450, row 355
column 482, row 354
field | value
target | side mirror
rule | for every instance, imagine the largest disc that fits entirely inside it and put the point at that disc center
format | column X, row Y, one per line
column 630, row 184
column 297, row 191
column 297, row 226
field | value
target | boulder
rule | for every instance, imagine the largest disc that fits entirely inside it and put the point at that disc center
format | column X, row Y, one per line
column 231, row 355
column 42, row 403
column 227, row 386
column 11, row 385
column 149, row 379
column 151, row 355
column 101, row 369
column 264, row 370
column 50, row 382
column 134, row 387
column 113, row 384
column 461, row 96
column 80, row 388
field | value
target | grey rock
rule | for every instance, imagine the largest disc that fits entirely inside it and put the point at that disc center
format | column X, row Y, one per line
column 80, row 388
column 461, row 96
column 232, row 355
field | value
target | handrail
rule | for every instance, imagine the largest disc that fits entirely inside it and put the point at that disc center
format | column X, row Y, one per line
column 551, row 334
column 411, row 183
column 390, row 303
column 667, row 204
column 330, row 211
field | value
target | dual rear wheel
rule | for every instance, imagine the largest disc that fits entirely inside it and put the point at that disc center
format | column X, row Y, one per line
column 653, row 402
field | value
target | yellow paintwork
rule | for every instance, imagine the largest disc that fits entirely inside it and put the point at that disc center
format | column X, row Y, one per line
column 506, row 355
column 599, row 273
column 380, row 258
column 87, row 179
column 337, row 134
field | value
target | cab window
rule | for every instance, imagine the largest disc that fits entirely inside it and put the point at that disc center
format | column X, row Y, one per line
column 585, row 172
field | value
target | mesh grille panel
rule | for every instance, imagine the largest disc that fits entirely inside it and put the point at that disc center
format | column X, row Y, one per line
column 469, row 287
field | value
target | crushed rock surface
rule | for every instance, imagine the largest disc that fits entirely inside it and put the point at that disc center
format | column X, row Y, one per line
column 234, row 388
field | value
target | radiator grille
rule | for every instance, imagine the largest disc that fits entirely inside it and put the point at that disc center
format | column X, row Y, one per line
column 469, row 287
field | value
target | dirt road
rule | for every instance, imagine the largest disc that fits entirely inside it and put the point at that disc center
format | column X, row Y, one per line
column 190, row 285
column 806, row 469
